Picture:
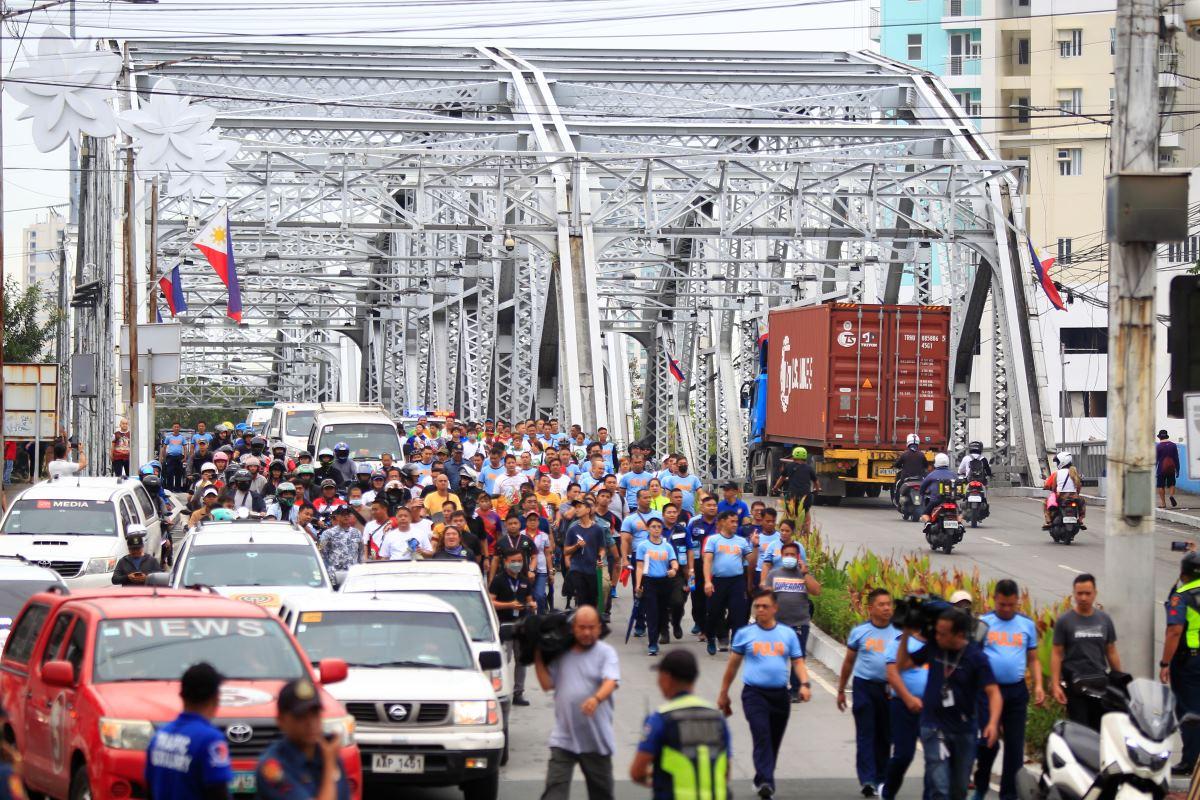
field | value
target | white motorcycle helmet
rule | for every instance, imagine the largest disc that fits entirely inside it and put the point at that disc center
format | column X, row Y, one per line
column 913, row 439
column 1064, row 459
column 941, row 461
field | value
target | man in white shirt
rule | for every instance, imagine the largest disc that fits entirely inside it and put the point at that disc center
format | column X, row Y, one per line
column 510, row 485
column 62, row 466
column 403, row 541
column 376, row 528
column 559, row 480
column 421, row 526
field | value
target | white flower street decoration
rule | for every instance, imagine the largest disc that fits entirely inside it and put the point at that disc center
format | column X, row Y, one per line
column 205, row 173
column 167, row 130
column 66, row 90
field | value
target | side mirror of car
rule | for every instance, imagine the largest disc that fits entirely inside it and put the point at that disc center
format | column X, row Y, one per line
column 338, row 578
column 490, row 660
column 162, row 580
column 59, row 673
column 508, row 631
column 333, row 670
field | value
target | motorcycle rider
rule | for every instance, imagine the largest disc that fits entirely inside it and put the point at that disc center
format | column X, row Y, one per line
column 243, row 495
column 1064, row 483
column 937, row 485
column 974, row 466
column 343, row 464
column 362, row 477
column 910, row 464
column 132, row 569
column 284, row 506
column 327, row 470
column 802, row 484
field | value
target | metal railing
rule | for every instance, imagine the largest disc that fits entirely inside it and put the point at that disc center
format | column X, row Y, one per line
column 963, row 65
column 1090, row 459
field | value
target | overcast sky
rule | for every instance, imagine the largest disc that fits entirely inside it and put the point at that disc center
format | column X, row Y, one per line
column 33, row 180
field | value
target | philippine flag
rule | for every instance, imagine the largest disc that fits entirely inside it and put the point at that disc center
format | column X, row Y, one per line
column 1042, row 267
column 171, row 287
column 673, row 366
column 216, row 243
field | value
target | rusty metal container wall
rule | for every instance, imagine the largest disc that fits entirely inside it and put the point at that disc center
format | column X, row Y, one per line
column 920, row 375
column 858, row 375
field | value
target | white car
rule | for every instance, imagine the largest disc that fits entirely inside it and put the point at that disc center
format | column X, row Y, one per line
column 258, row 561
column 425, row 714
column 366, row 429
column 76, row 526
column 290, row 423
column 460, row 584
column 19, row 581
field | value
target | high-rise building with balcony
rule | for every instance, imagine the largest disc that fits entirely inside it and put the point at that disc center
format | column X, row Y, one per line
column 41, row 245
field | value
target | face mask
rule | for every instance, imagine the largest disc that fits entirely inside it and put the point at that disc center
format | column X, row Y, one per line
column 356, row 501
column 514, row 568
column 286, row 501
column 683, row 469
column 789, row 562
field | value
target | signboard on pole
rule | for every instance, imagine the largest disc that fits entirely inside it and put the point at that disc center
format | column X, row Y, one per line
column 30, row 401
column 1191, row 420
column 158, row 353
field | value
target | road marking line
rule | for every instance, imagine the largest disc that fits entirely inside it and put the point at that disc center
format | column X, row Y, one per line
column 1070, row 569
column 995, row 541
column 824, row 684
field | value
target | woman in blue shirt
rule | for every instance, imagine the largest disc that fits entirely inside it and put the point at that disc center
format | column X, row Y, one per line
column 656, row 568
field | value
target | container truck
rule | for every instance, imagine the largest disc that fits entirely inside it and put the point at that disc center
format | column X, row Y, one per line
column 850, row 382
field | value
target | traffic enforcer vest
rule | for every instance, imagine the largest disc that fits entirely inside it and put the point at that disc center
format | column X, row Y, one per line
column 693, row 759
column 1190, row 592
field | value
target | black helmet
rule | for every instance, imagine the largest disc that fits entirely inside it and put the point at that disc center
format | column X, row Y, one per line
column 152, row 483
column 1191, row 564
column 975, row 447
column 258, row 441
column 242, row 476
column 225, row 448
column 277, row 464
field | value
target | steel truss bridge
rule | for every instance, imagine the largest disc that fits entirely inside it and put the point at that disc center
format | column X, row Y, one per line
column 515, row 233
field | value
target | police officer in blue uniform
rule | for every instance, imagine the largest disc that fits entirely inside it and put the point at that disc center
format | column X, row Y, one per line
column 685, row 743
column 866, row 662
column 188, row 758
column 1011, row 650
column 304, row 764
column 1180, row 665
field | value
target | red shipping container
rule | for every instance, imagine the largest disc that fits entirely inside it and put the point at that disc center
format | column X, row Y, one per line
column 858, row 376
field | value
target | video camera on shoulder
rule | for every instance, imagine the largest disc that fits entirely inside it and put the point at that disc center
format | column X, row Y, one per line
column 921, row 612
column 550, row 634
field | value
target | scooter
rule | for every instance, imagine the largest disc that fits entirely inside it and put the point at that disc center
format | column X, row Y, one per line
column 1065, row 522
column 908, row 499
column 977, row 510
column 1128, row 759
column 944, row 530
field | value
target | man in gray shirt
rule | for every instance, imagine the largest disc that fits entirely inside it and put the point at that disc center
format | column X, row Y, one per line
column 583, row 680
column 1085, row 650
column 793, row 584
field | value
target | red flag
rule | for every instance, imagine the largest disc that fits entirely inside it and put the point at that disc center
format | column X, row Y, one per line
column 1042, row 268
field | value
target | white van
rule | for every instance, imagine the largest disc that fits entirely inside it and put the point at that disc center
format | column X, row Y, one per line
column 290, row 423
column 76, row 526
column 366, row 429
column 425, row 712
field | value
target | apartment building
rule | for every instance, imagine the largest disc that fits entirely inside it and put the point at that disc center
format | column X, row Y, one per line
column 1037, row 78
column 41, row 244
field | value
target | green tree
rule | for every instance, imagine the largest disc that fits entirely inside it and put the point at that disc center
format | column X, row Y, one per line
column 31, row 319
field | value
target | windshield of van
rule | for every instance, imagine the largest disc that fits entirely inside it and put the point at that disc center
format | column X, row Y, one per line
column 366, row 441
column 384, row 638
column 298, row 423
column 62, row 518
column 162, row 648
column 470, row 606
column 245, row 564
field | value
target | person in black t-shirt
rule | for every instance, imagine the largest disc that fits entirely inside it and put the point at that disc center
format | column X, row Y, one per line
column 512, row 600
column 514, row 540
column 799, row 482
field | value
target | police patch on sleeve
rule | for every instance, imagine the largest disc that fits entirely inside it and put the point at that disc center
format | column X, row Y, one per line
column 218, row 753
column 272, row 771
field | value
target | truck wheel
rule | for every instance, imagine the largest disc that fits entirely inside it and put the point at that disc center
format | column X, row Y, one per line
column 81, row 786
column 483, row 789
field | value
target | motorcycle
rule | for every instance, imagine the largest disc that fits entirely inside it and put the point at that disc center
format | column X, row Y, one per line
column 908, row 499
column 944, row 530
column 975, row 494
column 1065, row 522
column 1128, row 759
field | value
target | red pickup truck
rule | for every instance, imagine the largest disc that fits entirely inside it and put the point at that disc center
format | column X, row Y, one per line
column 87, row 677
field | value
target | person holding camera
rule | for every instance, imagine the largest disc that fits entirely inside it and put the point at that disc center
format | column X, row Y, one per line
column 772, row 653
column 512, row 598
column 865, row 660
column 958, row 672
column 583, row 680
column 1085, row 650
column 1011, row 650
column 908, row 687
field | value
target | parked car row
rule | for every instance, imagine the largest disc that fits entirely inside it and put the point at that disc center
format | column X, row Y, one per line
column 410, row 656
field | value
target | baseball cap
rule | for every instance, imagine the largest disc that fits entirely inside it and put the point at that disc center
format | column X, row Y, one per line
column 298, row 697
column 959, row 596
column 679, row 664
column 210, row 490
column 343, row 510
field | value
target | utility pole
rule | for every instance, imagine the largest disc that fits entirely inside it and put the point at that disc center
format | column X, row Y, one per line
column 1128, row 590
